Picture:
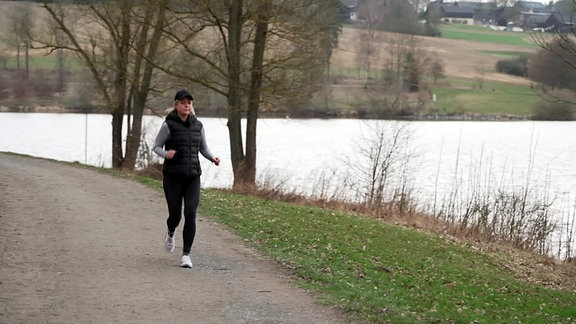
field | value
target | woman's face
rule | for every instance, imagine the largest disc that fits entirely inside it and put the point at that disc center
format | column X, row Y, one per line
column 183, row 107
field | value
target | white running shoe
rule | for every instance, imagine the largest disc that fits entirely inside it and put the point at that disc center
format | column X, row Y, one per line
column 185, row 262
column 169, row 243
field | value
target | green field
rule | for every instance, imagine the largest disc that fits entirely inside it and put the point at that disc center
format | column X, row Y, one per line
column 45, row 62
column 492, row 98
column 454, row 95
column 483, row 34
column 474, row 96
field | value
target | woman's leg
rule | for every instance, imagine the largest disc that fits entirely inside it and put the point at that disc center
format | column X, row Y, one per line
column 173, row 190
column 191, row 201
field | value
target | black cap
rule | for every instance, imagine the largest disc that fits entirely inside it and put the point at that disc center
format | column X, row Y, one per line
column 183, row 94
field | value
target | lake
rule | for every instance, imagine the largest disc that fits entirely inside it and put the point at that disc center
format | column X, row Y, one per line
column 444, row 154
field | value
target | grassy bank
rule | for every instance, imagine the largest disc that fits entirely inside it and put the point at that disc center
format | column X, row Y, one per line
column 378, row 272
column 384, row 273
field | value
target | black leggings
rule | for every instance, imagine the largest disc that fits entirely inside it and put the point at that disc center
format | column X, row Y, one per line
column 176, row 189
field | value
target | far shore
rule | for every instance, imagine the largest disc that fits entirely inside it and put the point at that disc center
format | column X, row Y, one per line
column 422, row 117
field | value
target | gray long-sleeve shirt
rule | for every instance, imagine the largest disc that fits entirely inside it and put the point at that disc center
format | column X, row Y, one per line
column 164, row 135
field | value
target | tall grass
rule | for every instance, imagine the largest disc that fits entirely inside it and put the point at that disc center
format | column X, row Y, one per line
column 522, row 215
column 517, row 210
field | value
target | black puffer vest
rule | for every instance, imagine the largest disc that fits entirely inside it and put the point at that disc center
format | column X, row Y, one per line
column 185, row 138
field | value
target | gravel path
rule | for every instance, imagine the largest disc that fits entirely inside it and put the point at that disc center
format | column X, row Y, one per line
column 80, row 246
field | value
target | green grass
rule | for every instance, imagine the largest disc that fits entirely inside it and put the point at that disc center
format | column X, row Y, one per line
column 492, row 98
column 382, row 273
column 41, row 62
column 456, row 95
column 509, row 53
column 483, row 34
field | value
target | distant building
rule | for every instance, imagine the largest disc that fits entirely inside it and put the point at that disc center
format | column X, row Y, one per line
column 457, row 12
column 464, row 12
column 348, row 8
column 527, row 15
column 562, row 18
column 559, row 23
column 530, row 14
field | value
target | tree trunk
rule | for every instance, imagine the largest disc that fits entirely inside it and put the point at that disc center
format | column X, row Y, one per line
column 27, row 62
column 249, row 165
column 120, row 87
column 234, row 93
column 143, row 80
column 60, row 70
column 117, row 122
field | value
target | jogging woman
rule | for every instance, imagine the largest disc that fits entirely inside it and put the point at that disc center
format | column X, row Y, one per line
column 179, row 140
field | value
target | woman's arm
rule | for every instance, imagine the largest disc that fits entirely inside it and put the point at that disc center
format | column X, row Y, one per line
column 205, row 150
column 161, row 138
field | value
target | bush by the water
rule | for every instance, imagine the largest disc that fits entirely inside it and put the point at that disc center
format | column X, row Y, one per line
column 517, row 66
column 559, row 110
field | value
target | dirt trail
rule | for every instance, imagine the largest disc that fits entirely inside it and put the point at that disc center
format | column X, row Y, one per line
column 79, row 246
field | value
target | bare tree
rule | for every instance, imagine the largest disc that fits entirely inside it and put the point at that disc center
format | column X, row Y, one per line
column 559, row 42
column 554, row 75
column 250, row 52
column 416, row 63
column 367, row 53
column 404, row 67
column 383, row 165
column 437, row 68
column 399, row 16
column 253, row 53
column 19, row 38
column 372, row 14
column 118, row 42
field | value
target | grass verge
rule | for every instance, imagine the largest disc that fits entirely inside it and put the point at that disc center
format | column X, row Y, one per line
column 383, row 273
column 378, row 272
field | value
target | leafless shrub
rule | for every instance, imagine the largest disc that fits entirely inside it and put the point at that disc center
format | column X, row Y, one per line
column 274, row 185
column 382, row 167
column 554, row 105
column 330, row 186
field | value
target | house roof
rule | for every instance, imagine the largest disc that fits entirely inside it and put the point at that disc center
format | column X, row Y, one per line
column 538, row 19
column 564, row 19
column 455, row 9
column 463, row 9
column 533, row 6
column 564, row 11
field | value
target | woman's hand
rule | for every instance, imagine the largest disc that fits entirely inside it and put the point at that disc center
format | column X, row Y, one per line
column 216, row 160
column 170, row 154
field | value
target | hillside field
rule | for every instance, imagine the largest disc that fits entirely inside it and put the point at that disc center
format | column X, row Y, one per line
column 471, row 85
